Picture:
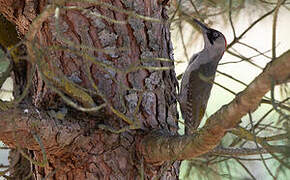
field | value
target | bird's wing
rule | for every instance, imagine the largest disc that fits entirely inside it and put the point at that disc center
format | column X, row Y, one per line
column 195, row 92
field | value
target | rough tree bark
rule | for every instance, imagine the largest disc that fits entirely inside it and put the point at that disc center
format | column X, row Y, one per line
column 135, row 89
column 75, row 147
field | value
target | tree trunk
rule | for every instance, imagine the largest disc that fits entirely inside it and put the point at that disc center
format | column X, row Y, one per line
column 139, row 91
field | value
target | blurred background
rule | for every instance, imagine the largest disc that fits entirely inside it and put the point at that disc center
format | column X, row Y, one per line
column 241, row 63
column 239, row 66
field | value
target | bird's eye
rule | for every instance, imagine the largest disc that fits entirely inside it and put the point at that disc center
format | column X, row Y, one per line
column 215, row 34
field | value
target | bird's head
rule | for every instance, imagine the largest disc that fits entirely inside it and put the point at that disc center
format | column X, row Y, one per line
column 213, row 39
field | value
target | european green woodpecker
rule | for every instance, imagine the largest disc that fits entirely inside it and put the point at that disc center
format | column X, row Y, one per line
column 197, row 80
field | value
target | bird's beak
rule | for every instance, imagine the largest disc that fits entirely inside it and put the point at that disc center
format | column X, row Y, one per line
column 202, row 26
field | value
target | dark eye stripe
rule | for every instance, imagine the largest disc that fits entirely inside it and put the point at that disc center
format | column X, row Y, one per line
column 212, row 36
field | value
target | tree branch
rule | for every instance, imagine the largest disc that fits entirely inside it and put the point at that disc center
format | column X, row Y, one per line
column 18, row 128
column 160, row 146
